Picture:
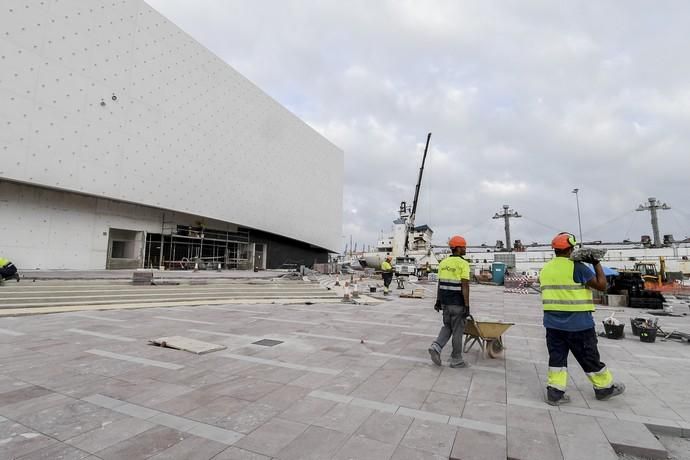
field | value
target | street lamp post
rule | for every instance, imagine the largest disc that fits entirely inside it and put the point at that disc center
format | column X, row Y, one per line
column 579, row 221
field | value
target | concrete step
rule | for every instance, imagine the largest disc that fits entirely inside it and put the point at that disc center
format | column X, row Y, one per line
column 632, row 438
column 98, row 294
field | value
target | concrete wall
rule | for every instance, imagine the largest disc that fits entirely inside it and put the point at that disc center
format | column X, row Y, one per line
column 49, row 229
column 110, row 99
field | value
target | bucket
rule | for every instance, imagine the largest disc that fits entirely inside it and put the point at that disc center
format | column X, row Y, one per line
column 635, row 325
column 647, row 335
column 614, row 331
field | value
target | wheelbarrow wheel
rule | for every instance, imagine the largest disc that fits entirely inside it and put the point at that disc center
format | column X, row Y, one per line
column 494, row 348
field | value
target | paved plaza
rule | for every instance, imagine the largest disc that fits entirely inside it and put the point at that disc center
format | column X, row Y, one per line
column 346, row 381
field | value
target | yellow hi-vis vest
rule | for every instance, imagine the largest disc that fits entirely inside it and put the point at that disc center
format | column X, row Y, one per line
column 3, row 262
column 559, row 292
column 386, row 267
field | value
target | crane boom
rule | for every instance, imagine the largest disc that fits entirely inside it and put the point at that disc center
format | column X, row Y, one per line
column 410, row 222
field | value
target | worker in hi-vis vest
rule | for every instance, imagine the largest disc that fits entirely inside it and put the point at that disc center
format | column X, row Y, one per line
column 387, row 274
column 7, row 270
column 453, row 297
column 568, row 307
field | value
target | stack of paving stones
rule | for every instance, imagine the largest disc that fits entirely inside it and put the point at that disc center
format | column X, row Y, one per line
column 333, row 381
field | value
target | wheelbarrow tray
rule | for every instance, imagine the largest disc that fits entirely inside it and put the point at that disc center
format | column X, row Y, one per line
column 486, row 329
column 488, row 334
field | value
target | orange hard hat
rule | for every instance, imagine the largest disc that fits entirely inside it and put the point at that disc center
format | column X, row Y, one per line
column 563, row 240
column 457, row 242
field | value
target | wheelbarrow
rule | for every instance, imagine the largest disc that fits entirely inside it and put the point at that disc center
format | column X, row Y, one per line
column 488, row 334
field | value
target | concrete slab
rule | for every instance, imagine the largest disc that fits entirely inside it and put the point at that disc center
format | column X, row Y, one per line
column 581, row 438
column 478, row 445
column 632, row 438
column 186, row 344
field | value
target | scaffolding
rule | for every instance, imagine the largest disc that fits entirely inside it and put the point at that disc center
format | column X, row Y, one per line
column 184, row 247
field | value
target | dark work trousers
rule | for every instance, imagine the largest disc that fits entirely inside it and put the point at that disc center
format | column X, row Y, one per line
column 453, row 326
column 387, row 278
column 8, row 271
column 582, row 344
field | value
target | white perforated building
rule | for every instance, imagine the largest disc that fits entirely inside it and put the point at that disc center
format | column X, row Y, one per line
column 126, row 143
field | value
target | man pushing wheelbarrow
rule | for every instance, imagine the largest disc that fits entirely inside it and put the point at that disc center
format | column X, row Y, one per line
column 453, row 297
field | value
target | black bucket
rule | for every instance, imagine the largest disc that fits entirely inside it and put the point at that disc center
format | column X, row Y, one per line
column 614, row 331
column 648, row 335
column 636, row 326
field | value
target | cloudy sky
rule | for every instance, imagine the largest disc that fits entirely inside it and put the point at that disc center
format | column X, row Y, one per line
column 525, row 100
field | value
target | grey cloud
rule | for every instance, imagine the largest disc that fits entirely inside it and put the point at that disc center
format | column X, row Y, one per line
column 526, row 100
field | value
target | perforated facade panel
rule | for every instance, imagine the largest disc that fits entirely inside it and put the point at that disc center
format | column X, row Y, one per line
column 111, row 99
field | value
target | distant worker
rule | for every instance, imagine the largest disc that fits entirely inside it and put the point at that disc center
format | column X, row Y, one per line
column 7, row 270
column 453, row 297
column 569, row 323
column 387, row 274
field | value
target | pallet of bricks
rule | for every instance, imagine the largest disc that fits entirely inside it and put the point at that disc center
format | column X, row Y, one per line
column 518, row 284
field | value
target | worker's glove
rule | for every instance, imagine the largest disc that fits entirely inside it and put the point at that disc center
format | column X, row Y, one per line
column 590, row 260
column 466, row 312
column 437, row 306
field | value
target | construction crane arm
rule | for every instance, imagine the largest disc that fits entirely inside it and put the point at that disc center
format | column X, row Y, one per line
column 410, row 225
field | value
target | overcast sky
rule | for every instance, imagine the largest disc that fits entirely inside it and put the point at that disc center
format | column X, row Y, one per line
column 525, row 100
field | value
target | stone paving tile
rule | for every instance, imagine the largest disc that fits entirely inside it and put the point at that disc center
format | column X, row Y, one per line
column 362, row 448
column 284, row 397
column 530, row 419
column 442, row 403
column 386, row 428
column 532, row 444
column 57, row 451
column 19, row 440
column 344, row 418
column 31, row 406
column 307, row 410
column 272, row 437
column 478, row 445
column 144, row 445
column 581, row 438
column 69, row 420
column 110, row 434
column 406, row 453
column 235, row 453
column 485, row 411
column 186, row 402
column 632, row 438
column 22, row 394
column 247, row 419
column 217, row 410
column 430, row 436
column 316, row 443
column 407, row 396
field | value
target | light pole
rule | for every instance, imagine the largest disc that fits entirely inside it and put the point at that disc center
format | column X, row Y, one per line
column 579, row 222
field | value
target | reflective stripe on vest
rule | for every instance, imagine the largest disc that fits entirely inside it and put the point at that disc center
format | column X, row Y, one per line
column 558, row 290
column 450, row 285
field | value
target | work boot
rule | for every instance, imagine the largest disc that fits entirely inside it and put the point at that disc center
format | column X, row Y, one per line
column 435, row 353
column 556, row 397
column 608, row 393
column 458, row 364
